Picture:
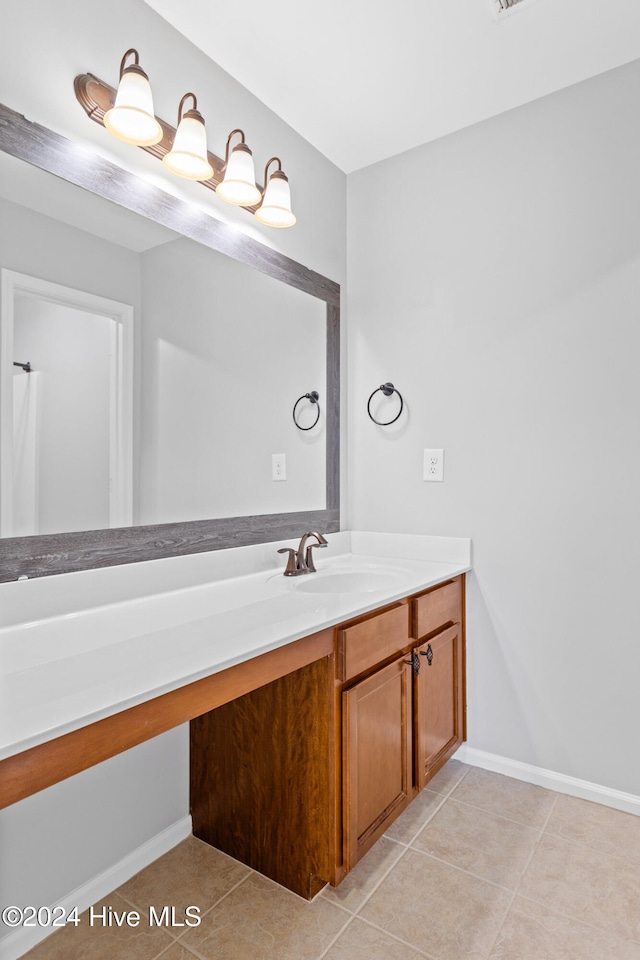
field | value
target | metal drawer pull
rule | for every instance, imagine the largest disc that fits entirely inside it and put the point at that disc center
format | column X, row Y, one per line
column 428, row 653
column 415, row 662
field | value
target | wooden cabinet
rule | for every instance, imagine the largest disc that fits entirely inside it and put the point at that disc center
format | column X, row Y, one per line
column 401, row 720
column 437, row 618
column 263, row 783
column 439, row 702
column 300, row 777
column 376, row 759
column 367, row 642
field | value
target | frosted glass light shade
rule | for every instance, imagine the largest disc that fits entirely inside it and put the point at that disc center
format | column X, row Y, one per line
column 275, row 210
column 239, row 184
column 188, row 156
column 131, row 118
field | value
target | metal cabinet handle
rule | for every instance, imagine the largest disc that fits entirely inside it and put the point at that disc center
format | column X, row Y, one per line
column 428, row 653
column 414, row 662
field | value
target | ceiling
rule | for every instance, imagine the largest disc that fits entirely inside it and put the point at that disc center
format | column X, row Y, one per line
column 363, row 80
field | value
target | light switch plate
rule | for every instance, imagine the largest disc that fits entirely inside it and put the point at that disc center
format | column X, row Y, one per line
column 433, row 470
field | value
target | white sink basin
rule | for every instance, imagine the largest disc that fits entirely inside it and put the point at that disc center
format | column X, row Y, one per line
column 348, row 581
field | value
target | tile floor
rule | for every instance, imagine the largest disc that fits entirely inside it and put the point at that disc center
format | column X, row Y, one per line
column 480, row 867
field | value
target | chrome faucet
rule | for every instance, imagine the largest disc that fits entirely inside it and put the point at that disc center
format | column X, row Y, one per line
column 301, row 561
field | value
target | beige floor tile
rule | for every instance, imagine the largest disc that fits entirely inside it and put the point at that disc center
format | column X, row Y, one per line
column 586, row 885
column 448, row 777
column 438, row 909
column 260, row 920
column 365, row 876
column 177, row 951
column 362, row 942
column 506, row 797
column 102, row 942
column 191, row 874
column 600, row 827
column 533, row 932
column 489, row 846
column 419, row 812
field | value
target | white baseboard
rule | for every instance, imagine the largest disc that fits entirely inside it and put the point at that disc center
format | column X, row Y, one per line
column 559, row 782
column 23, row 939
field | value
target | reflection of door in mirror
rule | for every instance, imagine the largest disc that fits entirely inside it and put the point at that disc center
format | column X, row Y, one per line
column 65, row 420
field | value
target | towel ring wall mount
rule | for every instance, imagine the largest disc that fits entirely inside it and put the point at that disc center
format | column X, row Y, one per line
column 313, row 398
column 388, row 390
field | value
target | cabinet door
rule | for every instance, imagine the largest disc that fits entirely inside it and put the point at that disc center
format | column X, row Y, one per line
column 439, row 702
column 377, row 757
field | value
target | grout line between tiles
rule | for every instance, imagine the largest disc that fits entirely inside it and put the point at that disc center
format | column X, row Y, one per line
column 223, row 897
column 464, row 774
column 583, row 843
column 519, row 880
column 159, row 956
column 567, row 916
column 407, row 846
column 443, row 800
column 355, row 913
column 491, row 813
column 202, row 915
column 348, row 923
column 191, row 950
column 393, row 936
column 454, row 866
column 586, row 923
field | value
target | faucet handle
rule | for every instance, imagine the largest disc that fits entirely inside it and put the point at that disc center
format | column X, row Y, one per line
column 308, row 558
column 290, row 569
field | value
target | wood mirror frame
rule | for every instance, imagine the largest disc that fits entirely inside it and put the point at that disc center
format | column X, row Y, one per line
column 43, row 555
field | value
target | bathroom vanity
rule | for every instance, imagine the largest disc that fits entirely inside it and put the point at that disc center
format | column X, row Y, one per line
column 319, row 705
column 299, row 778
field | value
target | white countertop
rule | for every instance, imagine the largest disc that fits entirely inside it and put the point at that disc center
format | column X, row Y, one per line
column 78, row 647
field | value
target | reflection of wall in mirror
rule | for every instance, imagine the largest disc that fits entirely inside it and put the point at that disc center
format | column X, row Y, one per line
column 226, row 351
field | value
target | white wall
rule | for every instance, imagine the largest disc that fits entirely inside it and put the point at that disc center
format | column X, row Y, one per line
column 497, row 284
column 43, row 46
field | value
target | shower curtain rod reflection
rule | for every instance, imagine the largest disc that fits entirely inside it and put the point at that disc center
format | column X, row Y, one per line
column 25, row 366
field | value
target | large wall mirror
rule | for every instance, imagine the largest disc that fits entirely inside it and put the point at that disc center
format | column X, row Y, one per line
column 150, row 360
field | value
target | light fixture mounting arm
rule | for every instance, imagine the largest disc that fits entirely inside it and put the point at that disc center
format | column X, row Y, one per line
column 193, row 110
column 268, row 164
column 132, row 66
column 242, row 141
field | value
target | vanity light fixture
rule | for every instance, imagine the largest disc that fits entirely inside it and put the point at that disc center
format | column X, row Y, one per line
column 132, row 118
column 239, row 183
column 275, row 209
column 188, row 155
column 128, row 114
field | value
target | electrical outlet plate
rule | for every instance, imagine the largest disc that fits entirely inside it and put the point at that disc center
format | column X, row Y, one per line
column 433, row 470
column 278, row 466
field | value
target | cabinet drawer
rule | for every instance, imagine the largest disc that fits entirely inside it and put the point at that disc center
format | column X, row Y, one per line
column 435, row 609
column 365, row 644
